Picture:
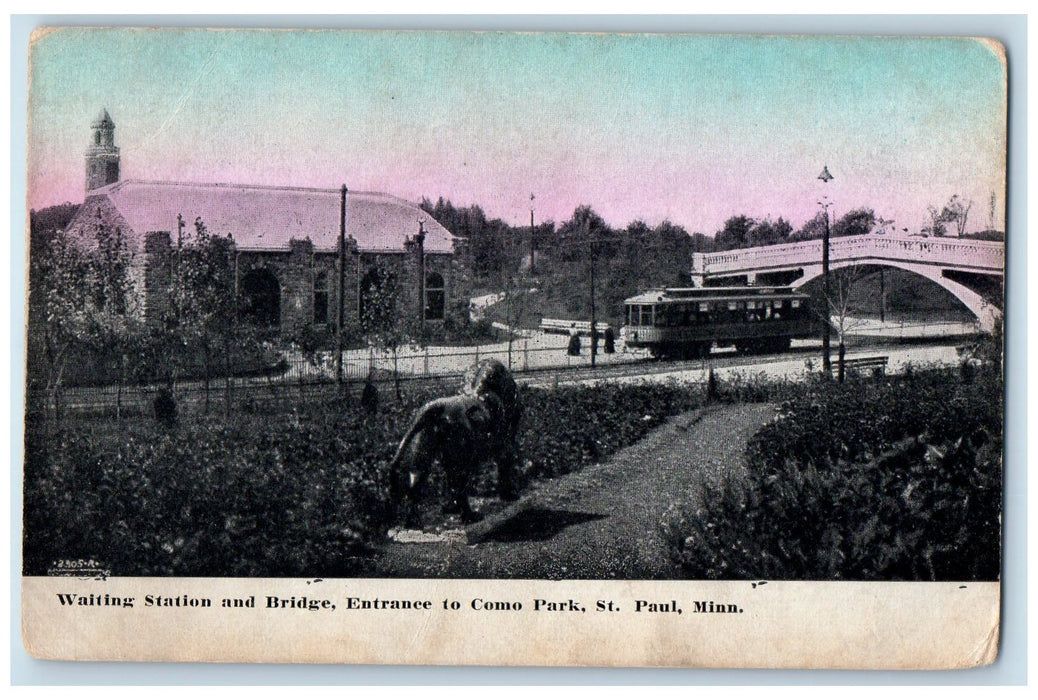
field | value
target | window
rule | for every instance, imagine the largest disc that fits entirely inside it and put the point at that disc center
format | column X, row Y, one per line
column 435, row 297
column 646, row 315
column 321, row 298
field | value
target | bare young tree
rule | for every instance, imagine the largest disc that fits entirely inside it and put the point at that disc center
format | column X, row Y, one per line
column 936, row 227
column 956, row 211
column 842, row 310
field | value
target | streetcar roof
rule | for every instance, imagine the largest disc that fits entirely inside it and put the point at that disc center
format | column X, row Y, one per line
column 673, row 295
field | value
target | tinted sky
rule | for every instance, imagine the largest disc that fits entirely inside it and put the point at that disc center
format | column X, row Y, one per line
column 691, row 129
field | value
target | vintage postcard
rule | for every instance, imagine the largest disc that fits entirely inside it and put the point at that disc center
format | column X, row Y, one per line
column 514, row 348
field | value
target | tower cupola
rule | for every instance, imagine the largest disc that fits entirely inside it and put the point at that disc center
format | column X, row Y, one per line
column 102, row 157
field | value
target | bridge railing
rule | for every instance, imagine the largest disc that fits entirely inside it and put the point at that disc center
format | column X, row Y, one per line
column 978, row 255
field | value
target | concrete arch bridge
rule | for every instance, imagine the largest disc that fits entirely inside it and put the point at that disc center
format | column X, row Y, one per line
column 950, row 263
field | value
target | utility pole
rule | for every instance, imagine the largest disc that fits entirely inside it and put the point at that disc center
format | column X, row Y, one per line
column 533, row 240
column 825, row 177
column 420, row 239
column 594, row 333
column 339, row 378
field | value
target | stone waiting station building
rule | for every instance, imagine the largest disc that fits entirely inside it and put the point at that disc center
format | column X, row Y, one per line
column 285, row 244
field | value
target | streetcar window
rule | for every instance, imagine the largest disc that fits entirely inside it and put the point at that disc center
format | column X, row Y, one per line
column 733, row 306
column 777, row 303
column 794, row 303
column 663, row 315
column 704, row 306
column 646, row 315
column 751, row 305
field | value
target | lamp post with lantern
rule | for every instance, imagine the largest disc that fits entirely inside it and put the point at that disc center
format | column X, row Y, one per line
column 825, row 203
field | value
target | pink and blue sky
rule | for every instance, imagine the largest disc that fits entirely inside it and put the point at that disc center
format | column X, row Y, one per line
column 693, row 129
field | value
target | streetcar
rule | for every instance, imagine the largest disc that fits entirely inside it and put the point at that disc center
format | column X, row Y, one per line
column 687, row 322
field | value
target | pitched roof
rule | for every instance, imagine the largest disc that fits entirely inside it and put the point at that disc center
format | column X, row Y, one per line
column 267, row 218
column 102, row 118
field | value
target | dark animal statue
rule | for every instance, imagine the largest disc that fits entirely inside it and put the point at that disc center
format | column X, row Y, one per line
column 490, row 378
column 462, row 432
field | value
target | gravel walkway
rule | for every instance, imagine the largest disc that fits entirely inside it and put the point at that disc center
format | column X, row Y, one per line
column 600, row 523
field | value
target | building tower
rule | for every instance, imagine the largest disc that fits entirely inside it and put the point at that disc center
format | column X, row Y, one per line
column 102, row 158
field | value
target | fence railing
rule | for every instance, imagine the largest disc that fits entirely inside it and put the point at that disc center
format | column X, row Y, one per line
column 303, row 375
column 971, row 254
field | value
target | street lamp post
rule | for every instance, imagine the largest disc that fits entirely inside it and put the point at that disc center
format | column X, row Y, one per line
column 825, row 177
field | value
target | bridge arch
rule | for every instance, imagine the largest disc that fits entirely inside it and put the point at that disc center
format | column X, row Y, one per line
column 988, row 315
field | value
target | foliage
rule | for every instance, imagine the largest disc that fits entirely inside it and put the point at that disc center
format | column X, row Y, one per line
column 855, row 222
column 871, row 480
column 569, row 427
column 744, row 232
column 937, row 225
column 294, row 498
column 45, row 223
column 267, row 494
column 956, row 212
column 81, row 299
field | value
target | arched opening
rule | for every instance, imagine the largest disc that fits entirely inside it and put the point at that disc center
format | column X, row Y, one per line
column 435, row 297
column 260, row 299
column 891, row 294
column 377, row 300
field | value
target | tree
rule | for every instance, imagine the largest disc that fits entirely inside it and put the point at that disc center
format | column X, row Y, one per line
column 735, row 234
column 381, row 325
column 115, row 326
column 856, row 222
column 768, row 232
column 936, row 227
column 841, row 310
column 956, row 211
column 81, row 303
column 200, row 309
column 813, row 229
column 59, row 294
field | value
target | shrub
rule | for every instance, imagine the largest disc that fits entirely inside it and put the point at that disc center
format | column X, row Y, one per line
column 303, row 492
column 865, row 481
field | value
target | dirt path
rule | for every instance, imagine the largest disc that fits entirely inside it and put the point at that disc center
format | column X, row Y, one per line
column 600, row 523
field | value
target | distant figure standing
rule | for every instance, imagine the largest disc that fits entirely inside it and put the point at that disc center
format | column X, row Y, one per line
column 369, row 396
column 609, row 341
column 165, row 407
column 574, row 341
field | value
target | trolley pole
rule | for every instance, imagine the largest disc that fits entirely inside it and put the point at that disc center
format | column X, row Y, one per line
column 341, row 318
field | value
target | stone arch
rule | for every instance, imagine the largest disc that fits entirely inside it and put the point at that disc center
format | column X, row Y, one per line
column 988, row 315
column 260, row 298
